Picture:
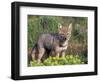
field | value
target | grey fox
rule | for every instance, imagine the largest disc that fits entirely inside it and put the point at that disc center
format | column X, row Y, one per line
column 53, row 44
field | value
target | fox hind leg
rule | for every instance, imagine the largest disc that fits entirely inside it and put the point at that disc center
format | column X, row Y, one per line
column 40, row 55
column 33, row 54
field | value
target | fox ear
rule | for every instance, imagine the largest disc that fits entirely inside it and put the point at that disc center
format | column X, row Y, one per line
column 70, row 27
column 59, row 26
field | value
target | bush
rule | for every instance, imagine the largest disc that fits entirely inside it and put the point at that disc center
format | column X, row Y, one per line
column 54, row 61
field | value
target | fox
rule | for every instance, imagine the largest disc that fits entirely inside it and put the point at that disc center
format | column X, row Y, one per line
column 52, row 44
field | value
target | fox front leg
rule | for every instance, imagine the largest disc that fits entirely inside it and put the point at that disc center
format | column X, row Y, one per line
column 63, row 51
column 58, row 54
column 58, row 51
column 63, row 54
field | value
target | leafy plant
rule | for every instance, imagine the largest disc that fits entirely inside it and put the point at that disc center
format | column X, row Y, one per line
column 54, row 61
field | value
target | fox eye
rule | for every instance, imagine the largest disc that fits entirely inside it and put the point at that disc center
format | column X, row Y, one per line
column 62, row 34
column 68, row 33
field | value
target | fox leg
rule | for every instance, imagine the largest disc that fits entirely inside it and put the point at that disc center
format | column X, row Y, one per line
column 63, row 54
column 58, row 54
column 60, row 51
column 40, row 55
column 33, row 54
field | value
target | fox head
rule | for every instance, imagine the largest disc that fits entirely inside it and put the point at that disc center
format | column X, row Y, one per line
column 65, row 32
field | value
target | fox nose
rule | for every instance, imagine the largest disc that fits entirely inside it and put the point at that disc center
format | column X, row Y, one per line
column 65, row 38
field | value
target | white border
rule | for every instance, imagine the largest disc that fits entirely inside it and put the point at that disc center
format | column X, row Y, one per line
column 25, row 71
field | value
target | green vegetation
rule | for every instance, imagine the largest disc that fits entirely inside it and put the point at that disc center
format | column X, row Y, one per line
column 54, row 61
column 39, row 25
column 49, row 24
